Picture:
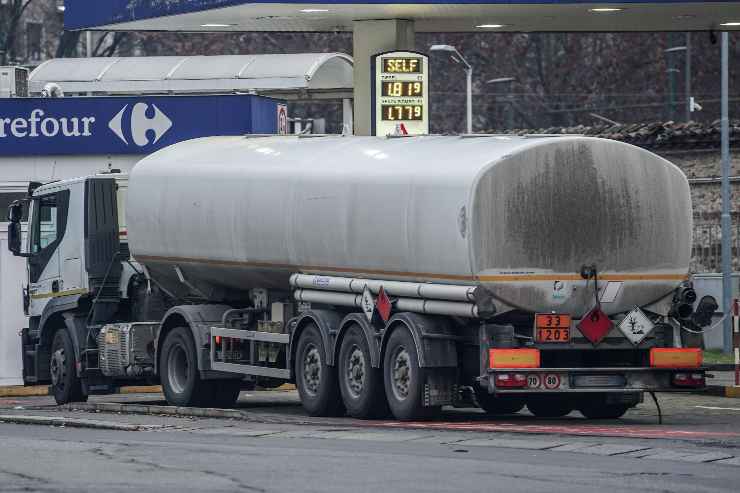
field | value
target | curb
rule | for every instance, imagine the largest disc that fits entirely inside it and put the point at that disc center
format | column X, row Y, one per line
column 74, row 423
column 21, row 391
column 43, row 390
column 115, row 407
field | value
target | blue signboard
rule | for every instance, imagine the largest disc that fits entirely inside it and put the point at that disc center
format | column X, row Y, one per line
column 81, row 14
column 126, row 125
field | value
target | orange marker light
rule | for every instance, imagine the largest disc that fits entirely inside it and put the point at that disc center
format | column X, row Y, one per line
column 676, row 357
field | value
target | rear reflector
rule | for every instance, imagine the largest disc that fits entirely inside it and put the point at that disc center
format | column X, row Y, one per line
column 689, row 380
column 510, row 380
column 513, row 358
column 675, row 357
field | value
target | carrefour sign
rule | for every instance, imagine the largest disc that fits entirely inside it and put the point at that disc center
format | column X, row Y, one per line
column 126, row 125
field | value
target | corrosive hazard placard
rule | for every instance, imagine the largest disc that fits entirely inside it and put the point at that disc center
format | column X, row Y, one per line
column 282, row 119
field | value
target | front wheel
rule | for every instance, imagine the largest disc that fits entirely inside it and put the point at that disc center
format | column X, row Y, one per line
column 65, row 384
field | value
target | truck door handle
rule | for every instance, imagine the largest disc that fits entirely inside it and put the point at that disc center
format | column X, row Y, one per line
column 55, row 286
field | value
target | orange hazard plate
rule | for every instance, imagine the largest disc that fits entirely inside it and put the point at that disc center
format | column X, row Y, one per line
column 552, row 327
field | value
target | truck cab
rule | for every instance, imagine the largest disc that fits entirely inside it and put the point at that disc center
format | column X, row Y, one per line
column 77, row 270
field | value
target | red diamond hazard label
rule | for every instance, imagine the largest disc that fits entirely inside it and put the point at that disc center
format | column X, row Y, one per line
column 383, row 305
column 595, row 325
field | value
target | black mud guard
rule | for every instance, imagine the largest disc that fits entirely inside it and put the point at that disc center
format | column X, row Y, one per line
column 372, row 335
column 328, row 323
column 77, row 328
column 436, row 343
column 199, row 319
column 58, row 305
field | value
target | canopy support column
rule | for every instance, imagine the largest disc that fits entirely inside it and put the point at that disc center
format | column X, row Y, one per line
column 348, row 125
column 370, row 38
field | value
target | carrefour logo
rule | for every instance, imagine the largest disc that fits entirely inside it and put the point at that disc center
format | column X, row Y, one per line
column 141, row 124
column 38, row 126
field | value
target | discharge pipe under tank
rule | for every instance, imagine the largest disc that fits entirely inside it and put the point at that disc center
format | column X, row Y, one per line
column 429, row 307
column 448, row 292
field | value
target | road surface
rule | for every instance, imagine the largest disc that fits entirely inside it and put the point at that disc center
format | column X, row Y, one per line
column 273, row 446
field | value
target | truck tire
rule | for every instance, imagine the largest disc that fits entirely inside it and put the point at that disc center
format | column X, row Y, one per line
column 223, row 393
column 549, row 406
column 361, row 385
column 65, row 384
column 493, row 404
column 602, row 410
column 404, row 379
column 316, row 381
column 178, row 370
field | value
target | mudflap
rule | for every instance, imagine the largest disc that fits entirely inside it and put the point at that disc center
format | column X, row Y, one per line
column 440, row 387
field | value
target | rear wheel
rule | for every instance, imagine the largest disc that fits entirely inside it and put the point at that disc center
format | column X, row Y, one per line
column 601, row 410
column 178, row 369
column 224, row 393
column 404, row 378
column 493, row 404
column 316, row 381
column 361, row 385
column 549, row 406
column 66, row 385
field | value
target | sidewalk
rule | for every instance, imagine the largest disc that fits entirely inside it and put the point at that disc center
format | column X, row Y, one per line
column 723, row 384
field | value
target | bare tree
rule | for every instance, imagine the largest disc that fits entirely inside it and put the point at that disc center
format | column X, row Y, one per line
column 10, row 16
column 68, row 42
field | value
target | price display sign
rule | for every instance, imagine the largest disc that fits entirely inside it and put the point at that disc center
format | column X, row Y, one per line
column 400, row 93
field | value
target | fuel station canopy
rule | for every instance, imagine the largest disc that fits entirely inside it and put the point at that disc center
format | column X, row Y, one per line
column 428, row 15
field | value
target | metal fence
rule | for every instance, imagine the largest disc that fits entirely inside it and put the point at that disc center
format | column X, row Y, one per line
column 706, row 253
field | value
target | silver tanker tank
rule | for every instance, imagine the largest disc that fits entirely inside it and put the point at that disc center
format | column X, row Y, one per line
column 518, row 215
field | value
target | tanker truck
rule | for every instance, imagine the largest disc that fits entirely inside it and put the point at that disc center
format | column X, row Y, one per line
column 381, row 275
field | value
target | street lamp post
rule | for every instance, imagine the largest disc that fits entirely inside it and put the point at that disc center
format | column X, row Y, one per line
column 687, row 77
column 726, row 204
column 509, row 99
column 457, row 56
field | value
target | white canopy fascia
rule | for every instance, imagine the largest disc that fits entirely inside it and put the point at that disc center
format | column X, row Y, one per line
column 291, row 76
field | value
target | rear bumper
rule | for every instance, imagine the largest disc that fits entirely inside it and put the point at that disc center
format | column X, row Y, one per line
column 592, row 380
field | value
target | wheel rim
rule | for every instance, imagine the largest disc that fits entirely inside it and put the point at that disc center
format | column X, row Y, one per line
column 401, row 373
column 178, row 369
column 355, row 374
column 312, row 369
column 58, row 368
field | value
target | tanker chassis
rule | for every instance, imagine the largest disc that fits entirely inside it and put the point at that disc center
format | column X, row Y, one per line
column 383, row 276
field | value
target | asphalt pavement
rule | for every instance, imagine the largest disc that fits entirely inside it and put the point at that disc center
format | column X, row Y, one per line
column 268, row 444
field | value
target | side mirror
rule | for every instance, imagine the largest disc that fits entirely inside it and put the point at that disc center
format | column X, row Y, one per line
column 15, row 212
column 14, row 238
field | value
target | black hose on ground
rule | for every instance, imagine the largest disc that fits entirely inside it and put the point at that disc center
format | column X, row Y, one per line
column 657, row 405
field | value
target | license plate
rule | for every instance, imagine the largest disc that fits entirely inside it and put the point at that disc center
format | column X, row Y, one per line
column 552, row 327
column 599, row 381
